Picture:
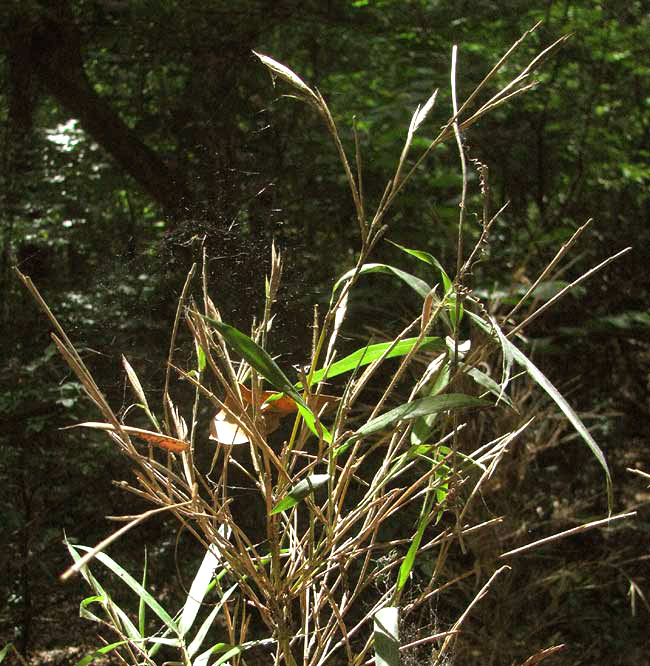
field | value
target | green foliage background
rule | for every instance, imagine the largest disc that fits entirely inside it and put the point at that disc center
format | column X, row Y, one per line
column 135, row 131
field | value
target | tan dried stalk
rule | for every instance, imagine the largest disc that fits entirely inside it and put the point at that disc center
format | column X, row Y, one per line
column 314, row 572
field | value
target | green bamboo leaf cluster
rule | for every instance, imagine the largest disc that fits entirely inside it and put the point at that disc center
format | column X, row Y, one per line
column 175, row 628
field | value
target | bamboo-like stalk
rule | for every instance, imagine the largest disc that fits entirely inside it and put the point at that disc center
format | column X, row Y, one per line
column 326, row 555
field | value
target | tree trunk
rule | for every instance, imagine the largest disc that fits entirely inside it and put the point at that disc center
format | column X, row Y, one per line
column 53, row 49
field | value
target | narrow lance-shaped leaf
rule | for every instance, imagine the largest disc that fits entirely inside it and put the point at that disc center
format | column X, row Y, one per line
column 142, row 607
column 487, row 382
column 386, row 636
column 198, row 639
column 556, row 396
column 200, row 585
column 427, row 258
column 257, row 357
column 260, row 360
column 198, row 589
column 421, row 407
column 99, row 653
column 163, row 441
column 230, row 651
column 506, row 349
column 102, row 596
column 367, row 355
column 409, row 560
column 300, row 491
column 136, row 587
column 420, row 286
column 201, row 358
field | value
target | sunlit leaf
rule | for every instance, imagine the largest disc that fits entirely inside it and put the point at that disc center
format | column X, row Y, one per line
column 556, row 396
column 427, row 258
column 300, row 491
column 209, row 621
column 257, row 357
column 201, row 358
column 198, row 589
column 102, row 596
column 367, row 355
column 278, row 69
column 268, row 368
column 135, row 382
column 420, row 286
column 386, row 636
column 421, row 407
column 123, row 575
column 163, row 441
column 421, row 114
column 488, row 383
column 101, row 652
column 227, row 648
column 226, row 430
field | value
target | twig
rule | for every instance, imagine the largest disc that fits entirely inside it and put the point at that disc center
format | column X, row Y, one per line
column 566, row 289
column 566, row 533
column 113, row 537
column 482, row 592
column 172, row 343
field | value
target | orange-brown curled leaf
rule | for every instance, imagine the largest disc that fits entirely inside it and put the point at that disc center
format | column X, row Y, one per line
column 163, row 441
column 225, row 430
column 284, row 404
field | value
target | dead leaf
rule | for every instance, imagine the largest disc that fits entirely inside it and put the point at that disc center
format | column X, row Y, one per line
column 225, row 430
column 163, row 441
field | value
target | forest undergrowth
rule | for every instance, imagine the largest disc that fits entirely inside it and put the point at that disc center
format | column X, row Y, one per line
column 384, row 502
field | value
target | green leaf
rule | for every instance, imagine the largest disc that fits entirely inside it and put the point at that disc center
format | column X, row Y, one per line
column 451, row 307
column 257, row 357
column 420, row 286
column 142, row 606
column 233, row 652
column 207, row 624
column 421, row 407
column 83, row 607
column 3, row 652
column 556, row 396
column 484, row 380
column 300, row 491
column 136, row 587
column 230, row 651
column 268, row 368
column 202, row 360
column 386, row 636
column 367, row 355
column 102, row 597
column 409, row 560
column 310, row 419
column 427, row 259
column 99, row 653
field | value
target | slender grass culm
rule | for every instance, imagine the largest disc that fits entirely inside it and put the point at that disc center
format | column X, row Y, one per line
column 350, row 505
